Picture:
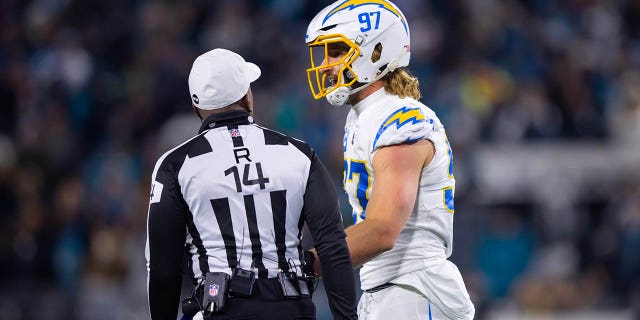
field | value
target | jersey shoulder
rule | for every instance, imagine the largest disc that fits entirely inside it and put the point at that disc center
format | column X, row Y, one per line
column 172, row 160
column 402, row 121
column 272, row 137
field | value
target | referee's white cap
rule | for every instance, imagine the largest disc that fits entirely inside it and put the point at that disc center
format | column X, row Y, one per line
column 219, row 78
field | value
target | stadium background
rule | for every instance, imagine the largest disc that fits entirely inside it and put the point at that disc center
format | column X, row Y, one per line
column 540, row 98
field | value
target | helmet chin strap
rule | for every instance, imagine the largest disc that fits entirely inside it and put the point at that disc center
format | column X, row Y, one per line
column 340, row 95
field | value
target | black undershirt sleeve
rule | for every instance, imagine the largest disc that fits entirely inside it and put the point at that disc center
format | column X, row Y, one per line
column 322, row 214
column 166, row 238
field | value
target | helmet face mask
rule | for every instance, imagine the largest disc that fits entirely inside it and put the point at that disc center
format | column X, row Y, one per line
column 362, row 26
column 319, row 81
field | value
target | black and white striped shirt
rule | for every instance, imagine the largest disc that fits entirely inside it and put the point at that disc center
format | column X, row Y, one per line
column 237, row 195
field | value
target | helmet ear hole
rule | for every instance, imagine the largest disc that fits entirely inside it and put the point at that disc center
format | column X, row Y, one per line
column 377, row 53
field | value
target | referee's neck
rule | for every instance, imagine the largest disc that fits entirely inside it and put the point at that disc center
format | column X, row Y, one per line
column 204, row 114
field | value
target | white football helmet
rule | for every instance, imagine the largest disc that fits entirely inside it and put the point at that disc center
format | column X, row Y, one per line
column 361, row 25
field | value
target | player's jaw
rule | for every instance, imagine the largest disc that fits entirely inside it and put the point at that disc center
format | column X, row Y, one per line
column 332, row 81
column 330, row 75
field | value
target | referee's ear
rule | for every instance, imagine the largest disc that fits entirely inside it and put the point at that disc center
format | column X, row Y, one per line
column 247, row 101
column 197, row 111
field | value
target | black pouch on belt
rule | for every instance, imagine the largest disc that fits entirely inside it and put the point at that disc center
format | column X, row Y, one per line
column 242, row 283
column 303, row 284
column 215, row 293
column 289, row 284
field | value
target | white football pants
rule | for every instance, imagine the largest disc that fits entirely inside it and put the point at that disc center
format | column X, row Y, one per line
column 434, row 293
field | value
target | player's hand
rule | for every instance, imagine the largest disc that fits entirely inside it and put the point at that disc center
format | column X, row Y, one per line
column 311, row 260
column 198, row 316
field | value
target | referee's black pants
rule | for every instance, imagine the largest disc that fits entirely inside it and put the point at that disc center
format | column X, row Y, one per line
column 268, row 303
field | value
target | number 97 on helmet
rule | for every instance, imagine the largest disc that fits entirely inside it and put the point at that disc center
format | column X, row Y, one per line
column 373, row 39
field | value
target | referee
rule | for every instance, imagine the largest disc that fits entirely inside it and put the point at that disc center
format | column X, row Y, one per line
column 235, row 198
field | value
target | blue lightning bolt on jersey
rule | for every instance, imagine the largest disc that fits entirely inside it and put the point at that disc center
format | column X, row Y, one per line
column 401, row 117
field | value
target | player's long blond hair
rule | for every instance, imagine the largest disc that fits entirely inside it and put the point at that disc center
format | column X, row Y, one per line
column 399, row 82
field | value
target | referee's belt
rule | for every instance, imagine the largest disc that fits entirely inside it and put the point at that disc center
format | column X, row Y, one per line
column 268, row 290
column 380, row 287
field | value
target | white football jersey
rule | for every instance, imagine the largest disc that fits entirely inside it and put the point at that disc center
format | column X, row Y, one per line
column 383, row 119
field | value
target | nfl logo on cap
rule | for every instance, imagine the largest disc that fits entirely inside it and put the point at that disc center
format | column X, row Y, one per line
column 213, row 290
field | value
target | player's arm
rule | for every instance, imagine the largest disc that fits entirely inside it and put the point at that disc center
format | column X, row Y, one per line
column 397, row 171
column 323, row 217
column 166, row 233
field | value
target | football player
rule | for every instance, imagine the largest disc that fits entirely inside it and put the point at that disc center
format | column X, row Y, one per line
column 398, row 164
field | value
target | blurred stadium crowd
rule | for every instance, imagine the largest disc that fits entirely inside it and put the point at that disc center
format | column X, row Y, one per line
column 92, row 92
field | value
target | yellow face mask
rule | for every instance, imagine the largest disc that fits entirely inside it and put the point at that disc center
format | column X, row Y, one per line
column 319, row 53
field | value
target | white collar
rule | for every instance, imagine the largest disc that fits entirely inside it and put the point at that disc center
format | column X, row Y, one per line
column 373, row 99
